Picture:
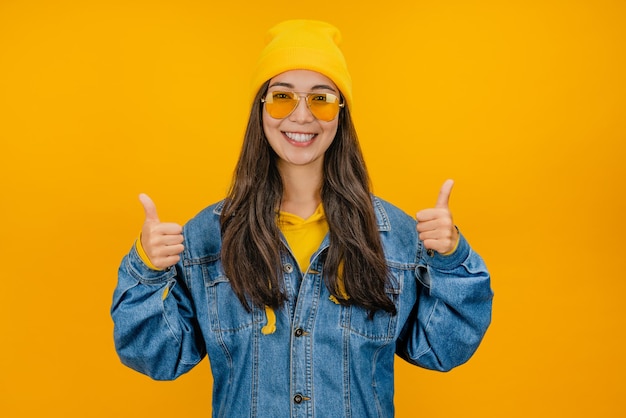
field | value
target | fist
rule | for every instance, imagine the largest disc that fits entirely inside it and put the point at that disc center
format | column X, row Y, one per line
column 161, row 241
column 435, row 226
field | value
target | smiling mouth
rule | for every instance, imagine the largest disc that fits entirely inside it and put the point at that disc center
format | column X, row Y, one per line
column 299, row 137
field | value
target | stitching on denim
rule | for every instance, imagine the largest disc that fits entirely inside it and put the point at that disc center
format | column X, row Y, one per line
column 379, row 407
column 346, row 371
column 381, row 215
column 162, row 277
column 167, row 322
column 426, row 326
column 210, row 258
column 400, row 266
column 254, row 387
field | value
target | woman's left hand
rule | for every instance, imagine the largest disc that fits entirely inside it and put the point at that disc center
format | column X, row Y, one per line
column 435, row 226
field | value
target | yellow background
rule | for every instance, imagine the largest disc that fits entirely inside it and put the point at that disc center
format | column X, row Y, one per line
column 521, row 102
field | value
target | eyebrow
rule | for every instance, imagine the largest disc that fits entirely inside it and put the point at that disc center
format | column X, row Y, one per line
column 315, row 87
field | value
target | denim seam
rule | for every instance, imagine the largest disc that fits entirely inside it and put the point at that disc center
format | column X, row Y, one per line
column 400, row 266
column 162, row 278
column 374, row 386
column 346, row 372
column 167, row 322
column 213, row 317
column 381, row 216
column 426, row 326
column 310, row 324
column 209, row 258
column 254, row 387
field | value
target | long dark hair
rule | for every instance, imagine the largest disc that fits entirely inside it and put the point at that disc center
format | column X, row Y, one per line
column 251, row 244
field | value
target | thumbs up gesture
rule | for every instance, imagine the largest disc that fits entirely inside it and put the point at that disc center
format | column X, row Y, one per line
column 162, row 242
column 435, row 226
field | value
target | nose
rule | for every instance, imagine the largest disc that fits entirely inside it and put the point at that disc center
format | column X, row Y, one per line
column 302, row 113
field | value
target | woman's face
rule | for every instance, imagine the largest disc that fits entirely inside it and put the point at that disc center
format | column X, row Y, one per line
column 300, row 139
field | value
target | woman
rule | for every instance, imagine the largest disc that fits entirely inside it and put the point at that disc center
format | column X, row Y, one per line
column 301, row 286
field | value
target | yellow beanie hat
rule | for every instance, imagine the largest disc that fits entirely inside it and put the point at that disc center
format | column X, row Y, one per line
column 303, row 45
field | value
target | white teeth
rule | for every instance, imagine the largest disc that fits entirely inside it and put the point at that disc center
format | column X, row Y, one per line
column 299, row 137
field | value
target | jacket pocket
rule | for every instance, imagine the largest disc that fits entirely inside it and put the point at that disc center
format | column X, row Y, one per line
column 226, row 313
column 382, row 327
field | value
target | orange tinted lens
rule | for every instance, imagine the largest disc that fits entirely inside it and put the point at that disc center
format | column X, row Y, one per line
column 280, row 104
column 324, row 106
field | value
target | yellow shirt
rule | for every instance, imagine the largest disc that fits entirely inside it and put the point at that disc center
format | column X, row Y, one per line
column 304, row 236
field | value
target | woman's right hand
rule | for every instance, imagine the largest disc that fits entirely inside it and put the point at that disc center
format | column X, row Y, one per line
column 161, row 241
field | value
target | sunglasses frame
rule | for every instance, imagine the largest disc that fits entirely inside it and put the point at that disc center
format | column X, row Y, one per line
column 268, row 99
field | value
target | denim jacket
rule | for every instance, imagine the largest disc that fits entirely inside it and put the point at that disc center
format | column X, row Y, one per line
column 323, row 359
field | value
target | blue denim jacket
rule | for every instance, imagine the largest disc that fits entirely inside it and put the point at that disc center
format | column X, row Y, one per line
column 324, row 359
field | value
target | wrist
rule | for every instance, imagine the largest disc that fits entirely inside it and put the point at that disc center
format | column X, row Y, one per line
column 457, row 238
column 143, row 256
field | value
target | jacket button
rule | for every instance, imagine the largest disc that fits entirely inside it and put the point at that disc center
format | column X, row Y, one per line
column 287, row 268
column 299, row 332
column 298, row 398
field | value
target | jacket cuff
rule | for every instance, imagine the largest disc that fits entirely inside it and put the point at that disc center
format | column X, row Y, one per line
column 450, row 261
column 143, row 273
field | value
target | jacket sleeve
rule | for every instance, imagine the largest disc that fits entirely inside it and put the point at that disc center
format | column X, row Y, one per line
column 452, row 312
column 155, row 328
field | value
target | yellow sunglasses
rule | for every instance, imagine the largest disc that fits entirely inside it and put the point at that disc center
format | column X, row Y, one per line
column 280, row 104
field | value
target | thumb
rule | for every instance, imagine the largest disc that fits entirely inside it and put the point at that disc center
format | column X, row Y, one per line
column 149, row 208
column 444, row 194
